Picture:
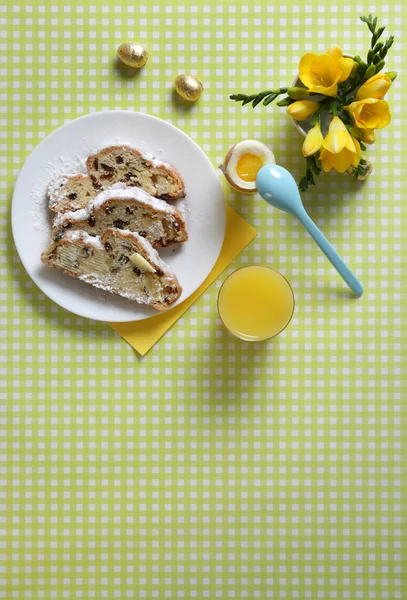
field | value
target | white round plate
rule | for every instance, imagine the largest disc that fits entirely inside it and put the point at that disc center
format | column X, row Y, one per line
column 65, row 151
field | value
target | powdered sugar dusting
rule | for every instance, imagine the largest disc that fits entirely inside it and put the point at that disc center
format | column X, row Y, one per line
column 73, row 215
column 60, row 167
column 83, row 236
column 183, row 208
column 54, row 186
column 120, row 185
column 156, row 162
column 126, row 193
column 130, row 193
column 101, row 283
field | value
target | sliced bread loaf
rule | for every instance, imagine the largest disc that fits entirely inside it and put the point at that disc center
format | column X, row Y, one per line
column 119, row 262
column 135, row 168
column 70, row 192
column 130, row 208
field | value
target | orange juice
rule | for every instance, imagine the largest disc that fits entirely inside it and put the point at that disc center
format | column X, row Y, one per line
column 255, row 303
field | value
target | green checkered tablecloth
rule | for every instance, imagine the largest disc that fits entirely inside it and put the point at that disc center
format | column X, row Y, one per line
column 211, row 468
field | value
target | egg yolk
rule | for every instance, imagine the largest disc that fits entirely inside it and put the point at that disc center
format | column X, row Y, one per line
column 247, row 166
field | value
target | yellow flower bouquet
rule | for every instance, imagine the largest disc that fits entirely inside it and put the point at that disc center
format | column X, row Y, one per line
column 339, row 101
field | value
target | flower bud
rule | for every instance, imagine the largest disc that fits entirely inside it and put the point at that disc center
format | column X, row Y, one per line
column 284, row 102
column 297, row 93
column 391, row 75
column 378, row 47
column 375, row 87
column 380, row 66
column 302, row 109
column 360, row 62
column 368, row 136
column 370, row 71
column 313, row 141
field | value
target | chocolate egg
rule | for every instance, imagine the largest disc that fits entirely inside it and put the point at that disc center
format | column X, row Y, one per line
column 133, row 55
column 188, row 87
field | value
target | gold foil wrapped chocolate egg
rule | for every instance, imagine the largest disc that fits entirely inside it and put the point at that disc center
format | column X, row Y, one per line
column 133, row 55
column 188, row 87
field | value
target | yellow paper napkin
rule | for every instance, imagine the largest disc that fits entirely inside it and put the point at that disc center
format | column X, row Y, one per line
column 142, row 335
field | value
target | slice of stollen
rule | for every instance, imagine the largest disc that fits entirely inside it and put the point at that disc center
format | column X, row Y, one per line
column 135, row 168
column 130, row 208
column 119, row 262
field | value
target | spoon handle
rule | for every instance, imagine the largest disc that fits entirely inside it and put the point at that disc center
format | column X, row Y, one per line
column 331, row 254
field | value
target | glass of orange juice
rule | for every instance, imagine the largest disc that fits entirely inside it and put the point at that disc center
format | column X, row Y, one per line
column 255, row 303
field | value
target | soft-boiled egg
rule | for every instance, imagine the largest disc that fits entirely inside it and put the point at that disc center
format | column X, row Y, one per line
column 242, row 163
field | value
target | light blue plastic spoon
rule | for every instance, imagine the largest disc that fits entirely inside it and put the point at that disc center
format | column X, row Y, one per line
column 278, row 187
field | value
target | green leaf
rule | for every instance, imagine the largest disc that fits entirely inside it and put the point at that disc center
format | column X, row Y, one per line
column 361, row 144
column 303, row 185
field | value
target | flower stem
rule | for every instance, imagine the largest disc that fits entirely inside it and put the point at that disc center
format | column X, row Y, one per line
column 316, row 116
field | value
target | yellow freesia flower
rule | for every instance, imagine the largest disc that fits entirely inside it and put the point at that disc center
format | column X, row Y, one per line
column 321, row 74
column 342, row 160
column 338, row 137
column 302, row 109
column 340, row 150
column 370, row 113
column 313, row 141
column 375, row 87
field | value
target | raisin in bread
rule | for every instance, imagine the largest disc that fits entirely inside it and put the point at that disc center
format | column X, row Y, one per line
column 129, row 208
column 135, row 168
column 120, row 262
column 70, row 192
